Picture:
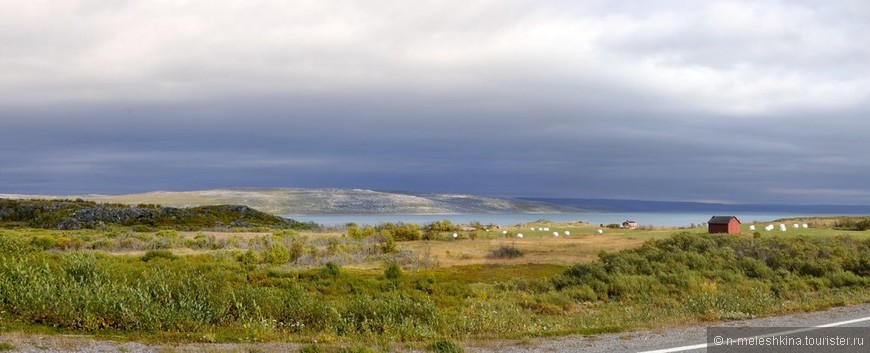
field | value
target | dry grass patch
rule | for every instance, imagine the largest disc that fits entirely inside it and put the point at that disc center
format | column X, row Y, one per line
column 538, row 250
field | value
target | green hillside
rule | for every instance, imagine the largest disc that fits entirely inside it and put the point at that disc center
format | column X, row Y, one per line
column 81, row 214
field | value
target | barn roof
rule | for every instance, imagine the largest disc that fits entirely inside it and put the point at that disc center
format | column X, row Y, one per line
column 722, row 219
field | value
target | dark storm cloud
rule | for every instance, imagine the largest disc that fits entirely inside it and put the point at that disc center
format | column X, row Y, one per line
column 728, row 101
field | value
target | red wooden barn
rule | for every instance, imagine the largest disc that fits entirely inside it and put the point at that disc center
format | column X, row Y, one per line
column 724, row 224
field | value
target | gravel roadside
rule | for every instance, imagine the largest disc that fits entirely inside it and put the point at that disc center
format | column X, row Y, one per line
column 668, row 337
column 617, row 342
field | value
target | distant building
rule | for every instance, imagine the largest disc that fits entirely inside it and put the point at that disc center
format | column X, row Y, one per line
column 629, row 224
column 724, row 224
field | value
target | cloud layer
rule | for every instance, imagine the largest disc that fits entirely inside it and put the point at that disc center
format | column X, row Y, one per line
column 758, row 101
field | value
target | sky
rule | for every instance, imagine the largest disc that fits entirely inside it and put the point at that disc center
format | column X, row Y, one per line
column 719, row 101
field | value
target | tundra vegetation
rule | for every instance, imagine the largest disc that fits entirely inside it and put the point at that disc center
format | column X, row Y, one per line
column 383, row 284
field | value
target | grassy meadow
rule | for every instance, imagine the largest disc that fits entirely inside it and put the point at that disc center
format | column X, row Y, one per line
column 416, row 286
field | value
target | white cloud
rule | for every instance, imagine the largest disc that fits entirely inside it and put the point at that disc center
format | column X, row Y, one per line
column 733, row 57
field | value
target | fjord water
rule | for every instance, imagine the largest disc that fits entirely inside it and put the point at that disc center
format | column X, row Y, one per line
column 676, row 219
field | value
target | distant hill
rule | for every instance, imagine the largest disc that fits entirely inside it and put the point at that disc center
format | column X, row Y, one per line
column 609, row 205
column 288, row 201
column 81, row 214
column 285, row 201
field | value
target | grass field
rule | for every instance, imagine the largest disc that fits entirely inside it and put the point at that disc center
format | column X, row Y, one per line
column 303, row 286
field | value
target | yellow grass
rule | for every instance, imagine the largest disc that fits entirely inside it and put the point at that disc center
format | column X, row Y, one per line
column 539, row 247
column 562, row 250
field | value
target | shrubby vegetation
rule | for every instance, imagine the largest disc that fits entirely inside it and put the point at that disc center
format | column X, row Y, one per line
column 852, row 223
column 79, row 214
column 720, row 276
column 435, row 230
column 250, row 293
column 282, row 247
column 396, row 231
column 506, row 252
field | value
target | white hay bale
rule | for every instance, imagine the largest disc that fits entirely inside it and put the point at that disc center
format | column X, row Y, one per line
column 600, row 231
column 455, row 235
column 567, row 233
column 504, row 232
column 555, row 234
column 519, row 235
column 546, row 229
column 805, row 226
column 797, row 225
column 532, row 229
column 751, row 227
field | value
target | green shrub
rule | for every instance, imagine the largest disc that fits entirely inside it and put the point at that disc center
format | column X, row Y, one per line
column 389, row 245
column 399, row 231
column 158, row 254
column 352, row 230
column 393, row 272
column 276, row 254
column 442, row 226
column 297, row 249
column 851, row 223
column 505, row 252
column 582, row 293
column 331, row 269
column 249, row 257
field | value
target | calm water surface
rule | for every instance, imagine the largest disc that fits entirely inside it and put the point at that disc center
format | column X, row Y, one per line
column 508, row 219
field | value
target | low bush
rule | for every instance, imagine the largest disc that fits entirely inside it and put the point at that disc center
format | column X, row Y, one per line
column 276, row 254
column 331, row 270
column 505, row 252
column 853, row 223
column 719, row 276
column 158, row 254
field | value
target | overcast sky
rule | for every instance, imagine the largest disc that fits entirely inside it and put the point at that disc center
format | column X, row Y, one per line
column 731, row 101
